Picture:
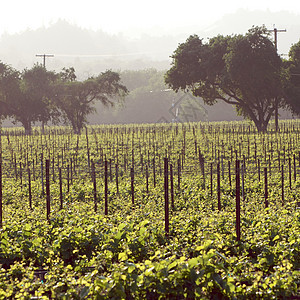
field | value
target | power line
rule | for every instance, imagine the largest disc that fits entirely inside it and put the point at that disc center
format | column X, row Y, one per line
column 110, row 55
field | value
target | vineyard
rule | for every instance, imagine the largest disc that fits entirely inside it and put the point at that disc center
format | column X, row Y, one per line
column 161, row 211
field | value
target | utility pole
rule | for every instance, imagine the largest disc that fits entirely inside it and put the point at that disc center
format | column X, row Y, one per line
column 44, row 65
column 44, row 58
column 275, row 30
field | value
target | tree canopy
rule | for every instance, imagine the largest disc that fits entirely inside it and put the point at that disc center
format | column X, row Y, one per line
column 292, row 88
column 25, row 96
column 242, row 70
column 40, row 95
column 75, row 98
column 9, row 89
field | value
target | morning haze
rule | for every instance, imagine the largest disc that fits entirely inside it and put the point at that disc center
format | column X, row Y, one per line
column 91, row 52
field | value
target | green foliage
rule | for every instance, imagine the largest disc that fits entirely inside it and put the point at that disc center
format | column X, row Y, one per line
column 75, row 98
column 9, row 89
column 242, row 70
column 292, row 88
column 83, row 254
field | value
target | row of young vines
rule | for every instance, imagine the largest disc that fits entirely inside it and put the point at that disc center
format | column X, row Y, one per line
column 151, row 211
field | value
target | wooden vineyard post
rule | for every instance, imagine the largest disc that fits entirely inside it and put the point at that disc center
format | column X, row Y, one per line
column 147, row 179
column 21, row 175
column 229, row 173
column 94, row 186
column 105, row 189
column 295, row 168
column 279, row 165
column 258, row 168
column 178, row 171
column 172, row 186
column 132, row 184
column 87, row 147
column 166, row 185
column 117, row 178
column 48, row 189
column 33, row 170
column 211, row 180
column 29, row 188
column 53, row 170
column 282, row 184
column 60, row 189
column 42, row 174
column 266, row 187
column 219, row 186
column 242, row 171
column 68, row 179
column 238, row 201
column 222, row 165
column 154, row 175
column 71, row 171
column 290, row 173
column 201, row 162
column 1, row 211
column 110, row 170
column 15, row 167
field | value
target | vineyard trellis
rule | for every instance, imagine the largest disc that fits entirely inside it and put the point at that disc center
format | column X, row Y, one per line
column 111, row 167
column 213, row 166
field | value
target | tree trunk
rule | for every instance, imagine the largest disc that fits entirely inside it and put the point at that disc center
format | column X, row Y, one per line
column 76, row 128
column 43, row 127
column 276, row 115
column 27, row 127
column 261, row 124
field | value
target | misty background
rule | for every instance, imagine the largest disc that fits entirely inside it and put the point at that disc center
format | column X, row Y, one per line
column 141, row 58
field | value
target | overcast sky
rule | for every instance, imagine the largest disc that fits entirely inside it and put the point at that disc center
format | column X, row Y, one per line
column 114, row 16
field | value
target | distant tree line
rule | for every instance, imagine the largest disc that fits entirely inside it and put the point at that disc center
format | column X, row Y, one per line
column 243, row 70
column 39, row 95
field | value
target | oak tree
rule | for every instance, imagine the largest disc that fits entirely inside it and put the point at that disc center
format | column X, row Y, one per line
column 242, row 70
column 292, row 87
column 76, row 98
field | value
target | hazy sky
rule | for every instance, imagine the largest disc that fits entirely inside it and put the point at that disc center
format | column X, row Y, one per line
column 115, row 16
